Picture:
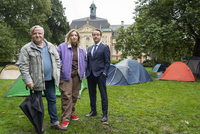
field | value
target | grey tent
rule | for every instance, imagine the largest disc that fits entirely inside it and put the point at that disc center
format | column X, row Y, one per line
column 194, row 64
column 127, row 72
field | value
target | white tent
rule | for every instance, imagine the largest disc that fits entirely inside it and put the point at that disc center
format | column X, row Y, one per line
column 10, row 72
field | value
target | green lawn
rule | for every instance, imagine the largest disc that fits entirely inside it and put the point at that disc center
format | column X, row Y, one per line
column 161, row 107
column 1, row 68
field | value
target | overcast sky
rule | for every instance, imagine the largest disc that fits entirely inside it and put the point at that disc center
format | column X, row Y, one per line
column 114, row 11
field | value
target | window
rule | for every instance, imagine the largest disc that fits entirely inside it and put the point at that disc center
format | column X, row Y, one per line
column 104, row 39
column 87, row 39
column 113, row 48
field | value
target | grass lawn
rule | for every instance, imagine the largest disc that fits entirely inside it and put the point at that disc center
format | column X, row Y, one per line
column 161, row 107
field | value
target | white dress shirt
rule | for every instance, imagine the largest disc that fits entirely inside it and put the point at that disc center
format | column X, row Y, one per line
column 96, row 48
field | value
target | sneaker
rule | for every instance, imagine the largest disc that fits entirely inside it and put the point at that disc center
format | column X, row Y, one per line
column 65, row 123
column 74, row 117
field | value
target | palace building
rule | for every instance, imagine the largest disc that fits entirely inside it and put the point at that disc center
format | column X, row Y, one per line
column 85, row 26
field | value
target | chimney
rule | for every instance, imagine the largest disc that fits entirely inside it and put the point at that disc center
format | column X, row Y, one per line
column 87, row 20
column 76, row 27
column 100, row 26
column 122, row 23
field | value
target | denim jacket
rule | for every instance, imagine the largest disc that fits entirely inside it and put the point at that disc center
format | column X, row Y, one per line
column 66, row 54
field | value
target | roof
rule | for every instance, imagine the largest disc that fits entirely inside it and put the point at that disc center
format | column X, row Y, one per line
column 106, row 30
column 96, row 22
column 115, row 27
column 93, row 4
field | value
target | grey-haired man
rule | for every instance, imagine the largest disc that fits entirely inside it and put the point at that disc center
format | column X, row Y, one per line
column 39, row 64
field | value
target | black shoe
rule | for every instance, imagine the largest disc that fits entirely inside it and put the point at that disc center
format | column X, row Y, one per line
column 104, row 120
column 92, row 113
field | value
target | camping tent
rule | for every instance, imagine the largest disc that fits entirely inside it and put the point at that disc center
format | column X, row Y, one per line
column 158, row 68
column 127, row 72
column 83, row 86
column 10, row 72
column 178, row 71
column 194, row 64
column 18, row 88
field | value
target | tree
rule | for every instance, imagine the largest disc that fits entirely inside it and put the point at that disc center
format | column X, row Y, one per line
column 7, row 43
column 21, row 15
column 168, row 27
column 128, row 42
column 57, row 22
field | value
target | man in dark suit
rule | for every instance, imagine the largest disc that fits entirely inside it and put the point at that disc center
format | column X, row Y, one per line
column 98, row 63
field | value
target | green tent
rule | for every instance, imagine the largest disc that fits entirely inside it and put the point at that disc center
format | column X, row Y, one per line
column 18, row 88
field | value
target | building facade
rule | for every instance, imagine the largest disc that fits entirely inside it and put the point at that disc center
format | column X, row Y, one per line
column 85, row 26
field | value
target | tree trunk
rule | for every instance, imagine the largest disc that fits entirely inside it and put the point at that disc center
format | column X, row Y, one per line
column 196, row 51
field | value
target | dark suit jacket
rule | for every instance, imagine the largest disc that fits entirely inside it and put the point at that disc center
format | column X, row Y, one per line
column 100, row 62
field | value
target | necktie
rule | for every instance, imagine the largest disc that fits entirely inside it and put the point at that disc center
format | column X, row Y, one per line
column 94, row 49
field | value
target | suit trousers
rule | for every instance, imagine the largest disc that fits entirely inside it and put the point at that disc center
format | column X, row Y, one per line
column 92, row 85
column 69, row 94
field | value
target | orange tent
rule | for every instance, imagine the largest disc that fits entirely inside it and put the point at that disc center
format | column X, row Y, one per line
column 178, row 71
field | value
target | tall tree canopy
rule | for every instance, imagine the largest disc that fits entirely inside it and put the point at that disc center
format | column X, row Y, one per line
column 18, row 16
column 21, row 15
column 171, row 28
column 7, row 42
column 57, row 22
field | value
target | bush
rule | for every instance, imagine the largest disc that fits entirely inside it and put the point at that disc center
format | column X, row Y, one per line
column 2, row 64
column 114, row 61
column 165, row 63
column 147, row 63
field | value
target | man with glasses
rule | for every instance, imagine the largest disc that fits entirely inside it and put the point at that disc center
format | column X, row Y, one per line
column 98, row 63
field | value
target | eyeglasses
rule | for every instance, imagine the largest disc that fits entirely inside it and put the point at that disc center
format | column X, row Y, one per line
column 95, row 34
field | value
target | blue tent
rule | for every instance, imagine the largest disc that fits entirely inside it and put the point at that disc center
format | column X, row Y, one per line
column 127, row 72
column 158, row 68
